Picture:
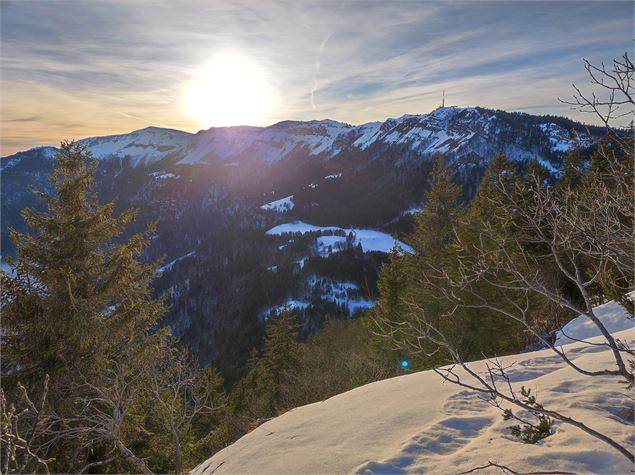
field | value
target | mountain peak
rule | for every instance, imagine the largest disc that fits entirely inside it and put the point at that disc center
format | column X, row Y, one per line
column 443, row 130
column 154, row 128
column 305, row 123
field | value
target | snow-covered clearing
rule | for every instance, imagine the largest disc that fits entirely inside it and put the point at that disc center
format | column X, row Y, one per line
column 417, row 424
column 299, row 227
column 280, row 206
column 370, row 239
column 341, row 293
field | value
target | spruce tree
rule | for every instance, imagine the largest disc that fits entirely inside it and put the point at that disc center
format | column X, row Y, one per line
column 433, row 226
column 258, row 393
column 75, row 291
column 407, row 282
column 281, row 345
column 80, row 308
column 392, row 285
column 412, row 286
column 433, row 234
column 482, row 331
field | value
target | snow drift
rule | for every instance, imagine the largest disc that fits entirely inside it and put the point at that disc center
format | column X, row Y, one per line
column 417, row 424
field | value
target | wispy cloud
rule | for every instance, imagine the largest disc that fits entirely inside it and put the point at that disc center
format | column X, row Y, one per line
column 317, row 69
column 90, row 68
column 32, row 118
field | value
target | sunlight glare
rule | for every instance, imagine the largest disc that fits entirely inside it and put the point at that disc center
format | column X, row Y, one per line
column 230, row 90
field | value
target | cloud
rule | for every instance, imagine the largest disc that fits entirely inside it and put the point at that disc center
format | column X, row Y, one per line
column 32, row 118
column 317, row 69
column 111, row 66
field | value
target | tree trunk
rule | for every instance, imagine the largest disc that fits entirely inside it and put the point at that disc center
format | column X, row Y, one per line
column 177, row 444
column 133, row 459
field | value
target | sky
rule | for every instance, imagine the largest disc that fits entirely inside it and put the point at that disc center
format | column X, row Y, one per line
column 72, row 69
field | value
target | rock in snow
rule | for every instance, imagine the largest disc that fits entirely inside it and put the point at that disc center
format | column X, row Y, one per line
column 418, row 424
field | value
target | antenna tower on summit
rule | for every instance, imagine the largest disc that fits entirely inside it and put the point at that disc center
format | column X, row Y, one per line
column 443, row 99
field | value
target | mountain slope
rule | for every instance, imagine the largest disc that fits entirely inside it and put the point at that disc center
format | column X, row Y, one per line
column 443, row 131
column 142, row 147
column 216, row 193
column 417, row 424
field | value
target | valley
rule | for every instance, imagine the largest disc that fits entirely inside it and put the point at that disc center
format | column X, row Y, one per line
column 298, row 214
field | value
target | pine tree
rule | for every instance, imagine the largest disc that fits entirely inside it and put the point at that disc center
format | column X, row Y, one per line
column 80, row 308
column 258, row 393
column 75, row 289
column 483, row 332
column 433, row 226
column 281, row 345
column 392, row 285
column 407, row 292
column 412, row 286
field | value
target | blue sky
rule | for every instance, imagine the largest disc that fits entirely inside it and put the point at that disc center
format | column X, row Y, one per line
column 72, row 69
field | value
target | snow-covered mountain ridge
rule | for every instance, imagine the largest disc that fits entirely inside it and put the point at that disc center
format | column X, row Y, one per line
column 144, row 146
column 418, row 424
column 444, row 130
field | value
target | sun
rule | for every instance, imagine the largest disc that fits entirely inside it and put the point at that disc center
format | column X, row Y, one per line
column 230, row 90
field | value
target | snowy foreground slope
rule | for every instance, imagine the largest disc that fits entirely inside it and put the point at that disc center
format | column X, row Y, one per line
column 417, row 424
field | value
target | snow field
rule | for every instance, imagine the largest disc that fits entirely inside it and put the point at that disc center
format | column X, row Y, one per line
column 611, row 315
column 370, row 239
column 416, row 423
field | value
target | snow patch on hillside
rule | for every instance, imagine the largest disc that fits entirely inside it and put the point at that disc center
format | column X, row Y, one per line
column 548, row 165
column 612, row 316
column 346, row 294
column 412, row 211
column 370, row 239
column 164, row 175
column 280, row 206
column 289, row 305
column 559, row 138
column 169, row 265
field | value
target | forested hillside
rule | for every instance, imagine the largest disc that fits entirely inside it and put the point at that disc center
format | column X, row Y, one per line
column 217, row 194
